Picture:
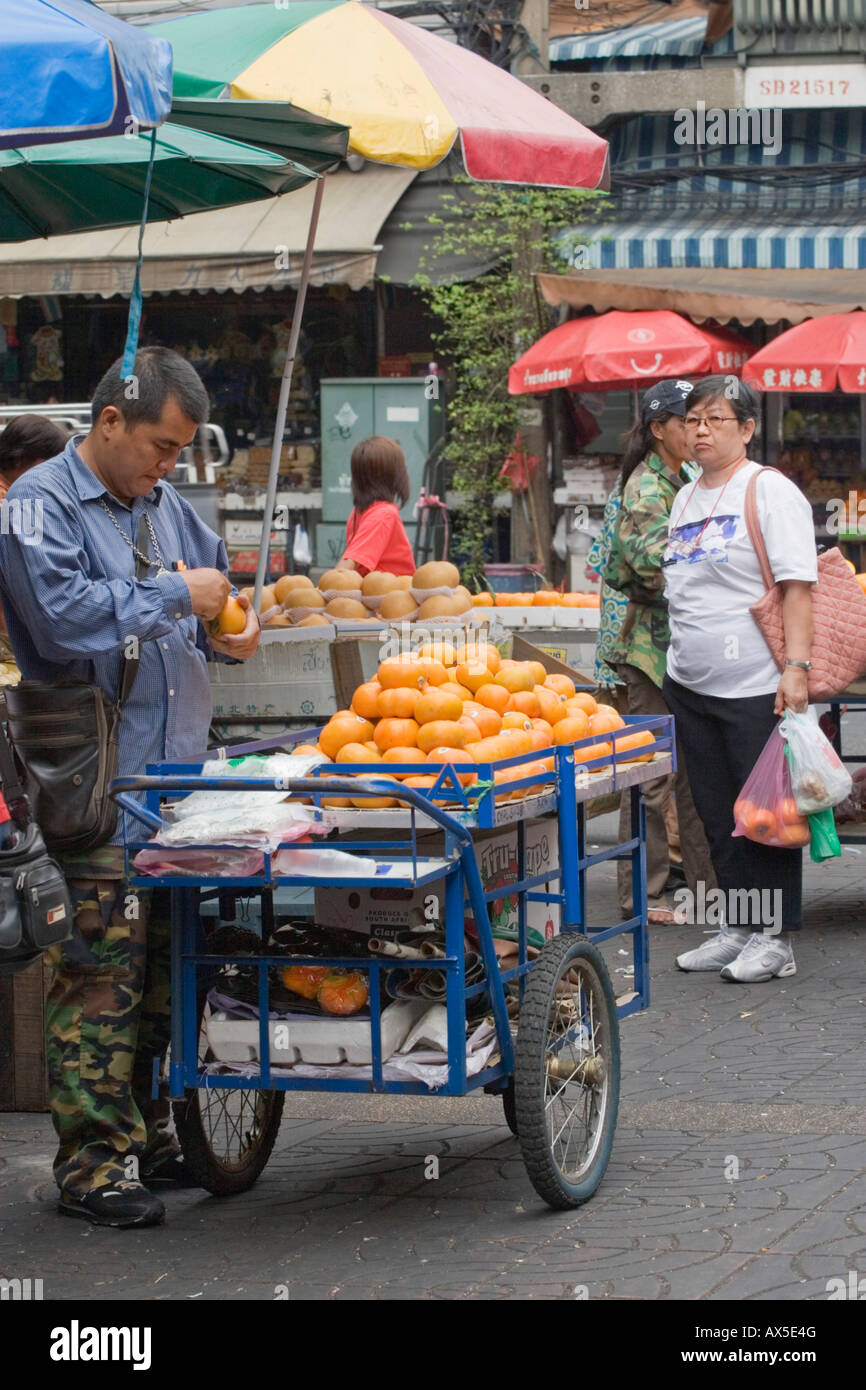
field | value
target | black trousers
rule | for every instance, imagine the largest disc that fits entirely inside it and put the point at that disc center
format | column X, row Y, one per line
column 722, row 740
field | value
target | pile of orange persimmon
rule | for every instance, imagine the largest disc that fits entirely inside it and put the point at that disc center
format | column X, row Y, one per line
column 781, row 825
column 543, row 598
column 433, row 709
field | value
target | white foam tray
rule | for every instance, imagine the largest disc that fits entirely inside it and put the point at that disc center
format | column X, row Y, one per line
column 315, row 1040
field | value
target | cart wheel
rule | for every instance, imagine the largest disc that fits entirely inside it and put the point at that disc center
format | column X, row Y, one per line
column 509, row 1107
column 566, row 1080
column 226, row 1135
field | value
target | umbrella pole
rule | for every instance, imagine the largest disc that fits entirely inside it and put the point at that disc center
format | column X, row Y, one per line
column 285, row 389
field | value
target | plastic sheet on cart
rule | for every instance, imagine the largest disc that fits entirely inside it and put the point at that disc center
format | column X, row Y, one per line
column 263, row 819
column 234, row 863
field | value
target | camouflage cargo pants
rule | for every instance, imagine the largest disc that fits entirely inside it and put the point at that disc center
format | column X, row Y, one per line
column 107, row 1017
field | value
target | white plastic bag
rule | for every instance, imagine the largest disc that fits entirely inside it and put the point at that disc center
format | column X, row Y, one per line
column 818, row 777
column 302, row 553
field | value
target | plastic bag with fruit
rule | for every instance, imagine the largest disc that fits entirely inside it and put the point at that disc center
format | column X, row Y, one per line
column 765, row 810
column 819, row 778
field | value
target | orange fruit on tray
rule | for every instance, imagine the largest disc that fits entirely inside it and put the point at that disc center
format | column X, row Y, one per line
column 604, row 723
column 400, row 670
column 486, row 653
column 341, row 729
column 445, row 732
column 581, row 700
column 473, row 675
column 304, row 749
column 357, row 753
column 545, row 598
column 550, row 705
column 613, row 714
column 539, row 672
column 454, row 688
column 438, row 650
column 562, row 685
column 545, row 727
column 525, row 702
column 397, row 703
column 516, row 741
column 490, row 750
column 396, row 733
column 513, row 677
column 364, row 700
column 484, row 600
column 436, row 704
column 454, row 756
column 513, row 719
column 625, row 746
column 487, row 720
column 434, row 672
column 573, row 728
column 375, row 802
column 595, row 755
column 407, row 754
column 495, row 697
column 473, row 733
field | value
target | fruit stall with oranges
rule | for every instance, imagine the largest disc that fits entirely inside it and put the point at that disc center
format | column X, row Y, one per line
column 437, row 825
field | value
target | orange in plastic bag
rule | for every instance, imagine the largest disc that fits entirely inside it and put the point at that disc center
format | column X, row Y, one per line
column 765, row 811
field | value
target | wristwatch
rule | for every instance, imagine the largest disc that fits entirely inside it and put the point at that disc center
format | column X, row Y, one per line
column 803, row 665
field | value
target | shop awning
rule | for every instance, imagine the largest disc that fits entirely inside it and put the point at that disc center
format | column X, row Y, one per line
column 258, row 246
column 678, row 36
column 716, row 242
column 723, row 295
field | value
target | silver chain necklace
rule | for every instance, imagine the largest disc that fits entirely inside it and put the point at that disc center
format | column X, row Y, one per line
column 142, row 559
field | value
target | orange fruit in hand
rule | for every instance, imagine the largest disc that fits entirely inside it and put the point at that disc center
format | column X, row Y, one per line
column 231, row 619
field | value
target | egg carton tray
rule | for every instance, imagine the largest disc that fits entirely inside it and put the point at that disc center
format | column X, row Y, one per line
column 319, row 1041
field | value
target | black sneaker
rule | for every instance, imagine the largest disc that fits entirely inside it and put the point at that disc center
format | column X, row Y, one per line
column 123, row 1203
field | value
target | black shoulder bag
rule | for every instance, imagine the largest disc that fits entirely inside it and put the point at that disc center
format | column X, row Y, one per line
column 35, row 908
column 64, row 735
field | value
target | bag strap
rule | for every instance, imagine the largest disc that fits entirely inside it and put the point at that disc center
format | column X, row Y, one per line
column 132, row 663
column 13, row 791
column 753, row 526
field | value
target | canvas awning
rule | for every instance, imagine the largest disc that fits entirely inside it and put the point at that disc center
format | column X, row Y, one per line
column 257, row 246
column 723, row 295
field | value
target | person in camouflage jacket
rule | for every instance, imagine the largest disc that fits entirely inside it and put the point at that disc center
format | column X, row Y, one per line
column 654, row 469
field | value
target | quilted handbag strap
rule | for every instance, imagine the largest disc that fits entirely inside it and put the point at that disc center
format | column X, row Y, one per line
column 753, row 526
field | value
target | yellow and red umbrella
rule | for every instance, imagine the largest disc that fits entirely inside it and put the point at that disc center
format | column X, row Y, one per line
column 406, row 94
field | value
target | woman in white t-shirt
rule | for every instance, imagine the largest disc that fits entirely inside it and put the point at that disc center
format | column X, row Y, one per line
column 722, row 684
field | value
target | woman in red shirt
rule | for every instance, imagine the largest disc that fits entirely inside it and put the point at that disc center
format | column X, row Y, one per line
column 375, row 536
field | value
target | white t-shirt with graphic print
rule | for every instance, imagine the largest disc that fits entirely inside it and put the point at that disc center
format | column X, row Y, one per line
column 716, row 646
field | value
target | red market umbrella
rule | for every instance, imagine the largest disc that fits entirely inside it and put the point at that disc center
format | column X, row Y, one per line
column 817, row 355
column 621, row 349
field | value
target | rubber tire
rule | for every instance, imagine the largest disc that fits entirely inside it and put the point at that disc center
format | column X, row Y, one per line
column 509, row 1107
column 200, row 1158
column 530, row 1074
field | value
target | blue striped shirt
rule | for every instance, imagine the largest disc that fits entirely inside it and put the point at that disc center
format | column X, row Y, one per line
column 72, row 604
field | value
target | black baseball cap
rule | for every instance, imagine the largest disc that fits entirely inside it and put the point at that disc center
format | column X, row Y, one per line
column 668, row 398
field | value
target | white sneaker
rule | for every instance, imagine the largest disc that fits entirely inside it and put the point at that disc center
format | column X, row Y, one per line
column 715, row 952
column 761, row 958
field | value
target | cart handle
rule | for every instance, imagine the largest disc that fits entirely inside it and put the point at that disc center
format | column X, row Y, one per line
column 300, row 786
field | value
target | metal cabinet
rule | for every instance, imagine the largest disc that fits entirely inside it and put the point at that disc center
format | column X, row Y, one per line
column 354, row 408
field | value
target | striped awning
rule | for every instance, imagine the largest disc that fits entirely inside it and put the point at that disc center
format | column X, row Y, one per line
column 682, row 37
column 724, row 242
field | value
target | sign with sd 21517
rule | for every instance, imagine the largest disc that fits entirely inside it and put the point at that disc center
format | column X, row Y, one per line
column 793, row 86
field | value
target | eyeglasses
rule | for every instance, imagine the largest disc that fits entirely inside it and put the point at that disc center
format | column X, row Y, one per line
column 715, row 422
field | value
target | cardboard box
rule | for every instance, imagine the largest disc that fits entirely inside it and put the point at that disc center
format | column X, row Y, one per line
column 387, row 911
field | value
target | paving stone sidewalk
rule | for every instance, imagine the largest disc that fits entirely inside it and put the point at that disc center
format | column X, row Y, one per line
column 738, row 1171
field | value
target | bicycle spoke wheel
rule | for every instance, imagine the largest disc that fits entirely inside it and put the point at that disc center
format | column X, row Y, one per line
column 566, row 1082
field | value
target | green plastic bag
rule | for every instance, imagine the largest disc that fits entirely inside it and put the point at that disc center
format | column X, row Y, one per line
column 825, row 841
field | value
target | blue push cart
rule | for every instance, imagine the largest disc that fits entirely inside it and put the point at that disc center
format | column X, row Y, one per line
column 552, row 1017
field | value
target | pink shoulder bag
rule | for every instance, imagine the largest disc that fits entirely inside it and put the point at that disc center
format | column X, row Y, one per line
column 838, row 608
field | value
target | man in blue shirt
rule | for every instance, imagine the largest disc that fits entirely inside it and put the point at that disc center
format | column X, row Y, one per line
column 75, row 609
